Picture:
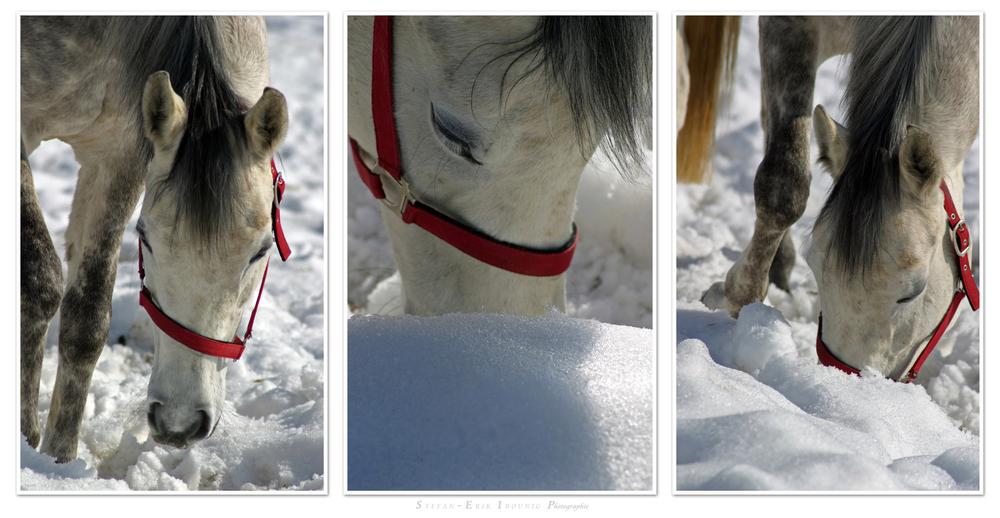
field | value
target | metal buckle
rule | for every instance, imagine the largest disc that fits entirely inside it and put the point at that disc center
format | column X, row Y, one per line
column 960, row 252
column 398, row 206
column 278, row 191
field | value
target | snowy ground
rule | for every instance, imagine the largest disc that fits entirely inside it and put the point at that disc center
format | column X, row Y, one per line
column 273, row 433
column 754, row 410
column 498, row 402
column 473, row 402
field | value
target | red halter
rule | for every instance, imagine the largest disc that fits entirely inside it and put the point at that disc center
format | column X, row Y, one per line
column 962, row 244
column 204, row 344
column 507, row 256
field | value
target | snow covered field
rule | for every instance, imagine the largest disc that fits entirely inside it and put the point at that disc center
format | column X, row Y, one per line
column 754, row 410
column 274, row 431
column 474, row 402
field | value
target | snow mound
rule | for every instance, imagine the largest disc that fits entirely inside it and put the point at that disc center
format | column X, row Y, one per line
column 498, row 402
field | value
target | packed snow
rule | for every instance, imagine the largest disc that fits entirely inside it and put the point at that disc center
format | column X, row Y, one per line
column 272, row 436
column 498, row 402
column 502, row 402
column 754, row 409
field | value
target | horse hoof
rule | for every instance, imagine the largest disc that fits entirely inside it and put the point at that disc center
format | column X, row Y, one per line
column 715, row 297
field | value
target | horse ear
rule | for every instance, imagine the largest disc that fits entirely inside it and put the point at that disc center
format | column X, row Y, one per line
column 919, row 163
column 163, row 111
column 833, row 140
column 267, row 123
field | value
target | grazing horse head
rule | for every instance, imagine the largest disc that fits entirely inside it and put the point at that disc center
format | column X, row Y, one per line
column 890, row 254
column 206, row 232
column 496, row 119
column 878, row 317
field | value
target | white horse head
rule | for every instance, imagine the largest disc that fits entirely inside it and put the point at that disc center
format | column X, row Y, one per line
column 879, row 317
column 489, row 138
column 204, row 253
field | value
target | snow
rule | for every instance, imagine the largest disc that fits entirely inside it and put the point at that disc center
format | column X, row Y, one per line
column 754, row 410
column 272, row 435
column 498, row 402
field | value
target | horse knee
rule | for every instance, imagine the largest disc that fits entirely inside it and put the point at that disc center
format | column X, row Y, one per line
column 781, row 189
column 41, row 292
column 41, row 268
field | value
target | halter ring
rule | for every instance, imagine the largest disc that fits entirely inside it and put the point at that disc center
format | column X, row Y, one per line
column 398, row 206
column 957, row 232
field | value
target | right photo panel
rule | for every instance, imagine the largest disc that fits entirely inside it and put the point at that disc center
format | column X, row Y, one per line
column 828, row 234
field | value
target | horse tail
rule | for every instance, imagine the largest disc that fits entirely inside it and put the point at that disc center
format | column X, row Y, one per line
column 712, row 62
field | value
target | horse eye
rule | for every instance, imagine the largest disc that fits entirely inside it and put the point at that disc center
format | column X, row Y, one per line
column 260, row 255
column 143, row 241
column 452, row 137
column 913, row 294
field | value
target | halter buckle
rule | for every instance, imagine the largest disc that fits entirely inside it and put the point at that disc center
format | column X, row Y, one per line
column 279, row 189
column 957, row 231
column 401, row 185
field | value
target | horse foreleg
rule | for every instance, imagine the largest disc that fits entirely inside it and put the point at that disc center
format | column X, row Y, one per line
column 102, row 205
column 790, row 55
column 41, row 290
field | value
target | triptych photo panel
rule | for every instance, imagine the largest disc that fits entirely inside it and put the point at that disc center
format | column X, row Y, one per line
column 585, row 256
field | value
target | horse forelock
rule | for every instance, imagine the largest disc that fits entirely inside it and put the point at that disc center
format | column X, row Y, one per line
column 604, row 64
column 882, row 96
column 207, row 174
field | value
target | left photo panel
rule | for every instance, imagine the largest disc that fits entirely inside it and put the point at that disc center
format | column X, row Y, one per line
column 173, row 264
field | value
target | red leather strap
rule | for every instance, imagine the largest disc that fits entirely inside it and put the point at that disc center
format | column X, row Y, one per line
column 383, row 114
column 372, row 180
column 191, row 339
column 938, row 333
column 963, row 244
column 279, row 235
column 183, row 335
column 506, row 256
column 826, row 357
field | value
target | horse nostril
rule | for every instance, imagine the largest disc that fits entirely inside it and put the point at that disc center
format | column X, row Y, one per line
column 151, row 417
column 205, row 428
column 166, row 427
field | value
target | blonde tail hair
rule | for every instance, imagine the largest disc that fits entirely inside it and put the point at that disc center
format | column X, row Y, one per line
column 712, row 41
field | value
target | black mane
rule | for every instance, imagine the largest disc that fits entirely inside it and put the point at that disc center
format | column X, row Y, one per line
column 205, row 175
column 881, row 95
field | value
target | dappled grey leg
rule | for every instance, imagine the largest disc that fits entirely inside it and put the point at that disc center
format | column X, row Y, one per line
column 784, row 260
column 789, row 57
column 93, row 242
column 41, row 290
